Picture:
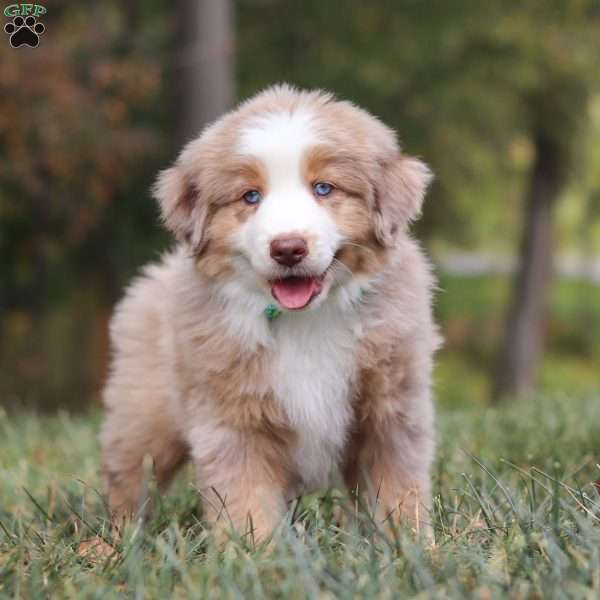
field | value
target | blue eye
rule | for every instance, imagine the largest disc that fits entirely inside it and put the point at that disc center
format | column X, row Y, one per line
column 252, row 197
column 322, row 189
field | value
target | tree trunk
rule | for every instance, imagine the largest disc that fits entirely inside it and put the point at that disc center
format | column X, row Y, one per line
column 204, row 71
column 524, row 332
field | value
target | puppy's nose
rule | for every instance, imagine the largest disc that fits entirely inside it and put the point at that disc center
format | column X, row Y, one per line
column 288, row 251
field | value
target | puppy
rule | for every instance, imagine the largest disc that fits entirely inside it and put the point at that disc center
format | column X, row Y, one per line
column 288, row 336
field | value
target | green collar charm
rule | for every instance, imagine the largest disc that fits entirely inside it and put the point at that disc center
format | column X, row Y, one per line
column 271, row 312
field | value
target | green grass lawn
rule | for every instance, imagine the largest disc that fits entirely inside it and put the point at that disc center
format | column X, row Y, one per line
column 516, row 515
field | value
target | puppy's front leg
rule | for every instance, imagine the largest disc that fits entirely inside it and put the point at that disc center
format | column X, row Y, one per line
column 243, row 476
column 389, row 466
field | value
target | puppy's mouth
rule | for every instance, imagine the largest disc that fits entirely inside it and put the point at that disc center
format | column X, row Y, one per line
column 295, row 293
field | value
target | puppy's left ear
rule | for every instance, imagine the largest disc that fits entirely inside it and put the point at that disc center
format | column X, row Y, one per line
column 399, row 196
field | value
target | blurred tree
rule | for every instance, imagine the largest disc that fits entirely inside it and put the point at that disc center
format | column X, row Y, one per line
column 203, row 64
column 556, row 62
column 78, row 123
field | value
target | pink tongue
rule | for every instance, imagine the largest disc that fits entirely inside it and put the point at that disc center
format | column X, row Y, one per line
column 295, row 292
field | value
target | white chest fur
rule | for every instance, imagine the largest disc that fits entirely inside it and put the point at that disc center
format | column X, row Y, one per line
column 312, row 360
column 313, row 365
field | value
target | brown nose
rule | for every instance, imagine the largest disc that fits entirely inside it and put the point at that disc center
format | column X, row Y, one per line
column 288, row 251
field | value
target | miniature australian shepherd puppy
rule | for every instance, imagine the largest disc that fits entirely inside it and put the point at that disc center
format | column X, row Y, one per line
column 289, row 336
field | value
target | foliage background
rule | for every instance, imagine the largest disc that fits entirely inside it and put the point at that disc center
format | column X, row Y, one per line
column 88, row 117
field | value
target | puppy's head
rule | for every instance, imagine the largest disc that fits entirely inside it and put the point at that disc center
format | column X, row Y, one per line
column 293, row 194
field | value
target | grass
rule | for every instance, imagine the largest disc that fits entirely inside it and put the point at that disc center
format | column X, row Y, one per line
column 516, row 515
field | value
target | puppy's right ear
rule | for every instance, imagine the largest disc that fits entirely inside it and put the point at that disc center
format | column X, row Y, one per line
column 181, row 211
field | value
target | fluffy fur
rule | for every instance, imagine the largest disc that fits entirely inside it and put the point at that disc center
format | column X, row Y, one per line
column 268, row 409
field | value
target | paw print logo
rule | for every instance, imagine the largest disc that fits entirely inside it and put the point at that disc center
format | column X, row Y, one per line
column 24, row 32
